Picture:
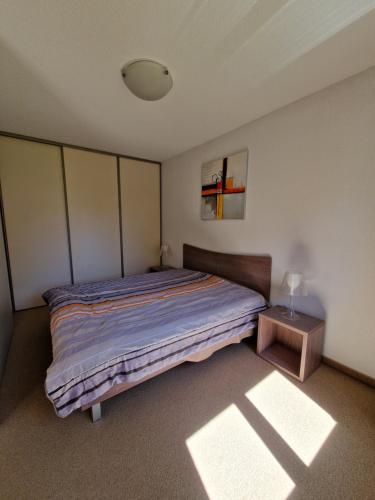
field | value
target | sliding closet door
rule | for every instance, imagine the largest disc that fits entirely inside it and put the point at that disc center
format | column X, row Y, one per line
column 35, row 217
column 140, row 200
column 93, row 206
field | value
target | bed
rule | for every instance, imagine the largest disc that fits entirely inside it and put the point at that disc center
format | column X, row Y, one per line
column 109, row 336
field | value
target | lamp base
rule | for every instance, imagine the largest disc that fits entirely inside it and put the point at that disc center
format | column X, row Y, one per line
column 290, row 314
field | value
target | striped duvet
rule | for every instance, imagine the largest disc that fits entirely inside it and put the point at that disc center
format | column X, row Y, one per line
column 109, row 332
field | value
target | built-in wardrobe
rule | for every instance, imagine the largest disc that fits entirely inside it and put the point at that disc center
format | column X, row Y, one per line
column 73, row 215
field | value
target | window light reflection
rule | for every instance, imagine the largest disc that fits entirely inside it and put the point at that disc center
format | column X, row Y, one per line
column 302, row 423
column 233, row 462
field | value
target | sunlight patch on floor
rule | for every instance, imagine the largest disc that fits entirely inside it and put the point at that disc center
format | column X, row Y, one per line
column 302, row 423
column 233, row 462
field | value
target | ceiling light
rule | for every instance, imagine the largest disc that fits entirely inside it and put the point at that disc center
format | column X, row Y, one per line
column 148, row 80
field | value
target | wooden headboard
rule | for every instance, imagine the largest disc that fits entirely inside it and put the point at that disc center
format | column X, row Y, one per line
column 253, row 271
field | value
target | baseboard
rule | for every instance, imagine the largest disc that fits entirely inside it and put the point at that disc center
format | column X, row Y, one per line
column 366, row 379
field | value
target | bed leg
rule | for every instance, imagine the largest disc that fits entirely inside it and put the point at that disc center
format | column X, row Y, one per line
column 96, row 412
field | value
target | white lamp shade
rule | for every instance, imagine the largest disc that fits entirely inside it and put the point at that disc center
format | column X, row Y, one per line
column 148, row 80
column 164, row 249
column 293, row 283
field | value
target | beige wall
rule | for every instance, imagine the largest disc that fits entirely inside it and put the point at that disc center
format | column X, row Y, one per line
column 5, row 306
column 310, row 204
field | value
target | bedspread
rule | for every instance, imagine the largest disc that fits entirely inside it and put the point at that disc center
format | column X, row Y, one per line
column 109, row 332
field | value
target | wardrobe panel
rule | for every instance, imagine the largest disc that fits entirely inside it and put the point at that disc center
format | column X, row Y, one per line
column 6, row 313
column 35, row 217
column 93, row 205
column 140, row 200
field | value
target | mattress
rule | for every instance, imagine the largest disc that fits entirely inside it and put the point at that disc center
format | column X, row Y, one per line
column 109, row 332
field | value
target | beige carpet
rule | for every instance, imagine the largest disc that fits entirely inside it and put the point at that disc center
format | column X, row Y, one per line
column 229, row 427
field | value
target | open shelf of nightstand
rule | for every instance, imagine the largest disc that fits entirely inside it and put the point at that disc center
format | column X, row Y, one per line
column 284, row 357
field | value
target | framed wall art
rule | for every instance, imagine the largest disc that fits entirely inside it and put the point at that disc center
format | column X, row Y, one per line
column 224, row 187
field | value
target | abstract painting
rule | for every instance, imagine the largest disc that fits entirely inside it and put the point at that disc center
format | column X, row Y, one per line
column 224, row 187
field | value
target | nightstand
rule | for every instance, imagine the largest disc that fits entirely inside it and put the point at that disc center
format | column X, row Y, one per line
column 158, row 269
column 292, row 346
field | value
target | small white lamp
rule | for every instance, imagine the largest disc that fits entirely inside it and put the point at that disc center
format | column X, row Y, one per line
column 163, row 252
column 292, row 285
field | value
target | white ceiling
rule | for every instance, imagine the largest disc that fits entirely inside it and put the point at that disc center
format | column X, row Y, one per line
column 231, row 60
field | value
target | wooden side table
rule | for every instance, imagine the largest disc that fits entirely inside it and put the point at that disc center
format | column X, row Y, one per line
column 293, row 346
column 158, row 269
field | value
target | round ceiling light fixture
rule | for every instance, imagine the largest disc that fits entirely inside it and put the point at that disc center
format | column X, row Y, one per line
column 147, row 79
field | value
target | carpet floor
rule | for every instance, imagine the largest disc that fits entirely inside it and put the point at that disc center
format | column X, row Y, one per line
column 229, row 427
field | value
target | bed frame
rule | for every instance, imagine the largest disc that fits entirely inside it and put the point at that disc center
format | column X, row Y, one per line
column 252, row 271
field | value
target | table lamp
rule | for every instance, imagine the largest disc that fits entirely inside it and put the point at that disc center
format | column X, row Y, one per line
column 163, row 251
column 293, row 286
